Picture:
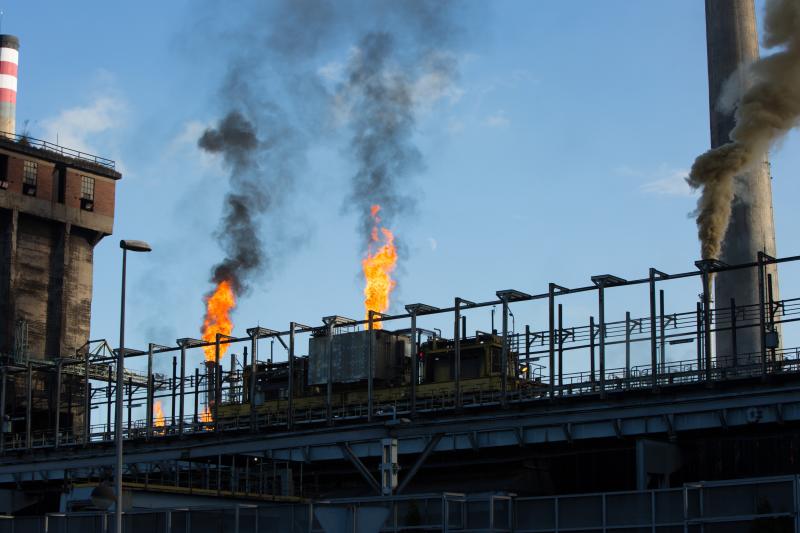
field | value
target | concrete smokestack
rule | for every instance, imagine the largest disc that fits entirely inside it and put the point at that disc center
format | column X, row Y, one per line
column 732, row 42
column 9, row 61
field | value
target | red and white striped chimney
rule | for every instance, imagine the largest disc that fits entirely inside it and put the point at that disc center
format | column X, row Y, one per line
column 9, row 61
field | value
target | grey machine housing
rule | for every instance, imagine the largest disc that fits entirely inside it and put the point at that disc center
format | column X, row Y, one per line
column 350, row 356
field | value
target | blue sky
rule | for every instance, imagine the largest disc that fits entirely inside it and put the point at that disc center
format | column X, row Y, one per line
column 558, row 154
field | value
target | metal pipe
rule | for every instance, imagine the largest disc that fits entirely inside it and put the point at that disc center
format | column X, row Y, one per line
column 628, row 346
column 653, row 350
column 108, row 404
column 58, row 402
column 29, row 407
column 772, row 310
column 662, row 328
column 182, row 409
column 87, row 400
column 329, row 387
column 173, row 389
column 252, row 384
column 528, row 352
column 552, row 345
column 707, row 322
column 591, row 351
column 457, row 351
column 370, row 355
column 761, row 317
column 290, row 406
column 414, row 363
column 196, row 394
column 218, row 387
column 601, row 301
column 120, row 383
column 130, row 405
column 699, row 338
column 149, row 414
column 560, row 350
column 504, row 356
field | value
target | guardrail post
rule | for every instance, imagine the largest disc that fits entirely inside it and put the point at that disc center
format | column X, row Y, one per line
column 457, row 351
column 551, row 337
column 149, row 407
column 58, row 402
column 252, row 385
column 182, row 388
column 87, row 401
column 290, row 403
column 653, row 344
column 370, row 363
column 504, row 356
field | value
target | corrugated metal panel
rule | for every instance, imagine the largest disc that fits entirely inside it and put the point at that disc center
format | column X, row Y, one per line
column 350, row 356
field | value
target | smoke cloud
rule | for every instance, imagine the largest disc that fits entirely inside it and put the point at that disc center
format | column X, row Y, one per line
column 766, row 111
column 279, row 102
column 236, row 140
column 388, row 80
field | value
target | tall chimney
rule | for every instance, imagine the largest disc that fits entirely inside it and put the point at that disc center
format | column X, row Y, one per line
column 732, row 41
column 9, row 60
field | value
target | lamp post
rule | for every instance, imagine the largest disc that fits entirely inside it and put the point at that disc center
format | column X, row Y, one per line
column 133, row 246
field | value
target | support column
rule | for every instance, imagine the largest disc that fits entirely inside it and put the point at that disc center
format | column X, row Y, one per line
column 29, row 406
column 252, row 384
column 59, row 365
column 414, row 363
column 370, row 363
column 504, row 357
column 182, row 391
column 551, row 337
column 149, row 407
column 290, row 406
column 457, row 351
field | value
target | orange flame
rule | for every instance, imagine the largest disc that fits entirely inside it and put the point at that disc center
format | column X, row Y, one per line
column 205, row 416
column 159, row 420
column 218, row 320
column 378, row 268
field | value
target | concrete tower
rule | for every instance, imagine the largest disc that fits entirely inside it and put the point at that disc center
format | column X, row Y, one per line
column 732, row 41
column 55, row 206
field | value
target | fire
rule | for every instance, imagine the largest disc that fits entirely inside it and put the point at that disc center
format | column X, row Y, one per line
column 378, row 267
column 205, row 416
column 159, row 420
column 218, row 320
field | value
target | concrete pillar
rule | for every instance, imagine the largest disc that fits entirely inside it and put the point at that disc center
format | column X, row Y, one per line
column 732, row 41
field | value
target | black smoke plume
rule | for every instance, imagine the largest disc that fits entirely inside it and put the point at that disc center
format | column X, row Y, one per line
column 235, row 138
column 393, row 75
column 280, row 104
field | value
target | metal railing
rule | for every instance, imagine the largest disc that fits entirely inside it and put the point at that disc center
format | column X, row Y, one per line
column 756, row 504
column 25, row 140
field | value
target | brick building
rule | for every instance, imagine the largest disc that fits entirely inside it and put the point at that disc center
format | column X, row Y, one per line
column 55, row 206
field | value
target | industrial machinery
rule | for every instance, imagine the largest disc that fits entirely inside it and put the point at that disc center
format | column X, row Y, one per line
column 348, row 356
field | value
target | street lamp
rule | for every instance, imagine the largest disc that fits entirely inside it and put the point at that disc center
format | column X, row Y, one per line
column 133, row 246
